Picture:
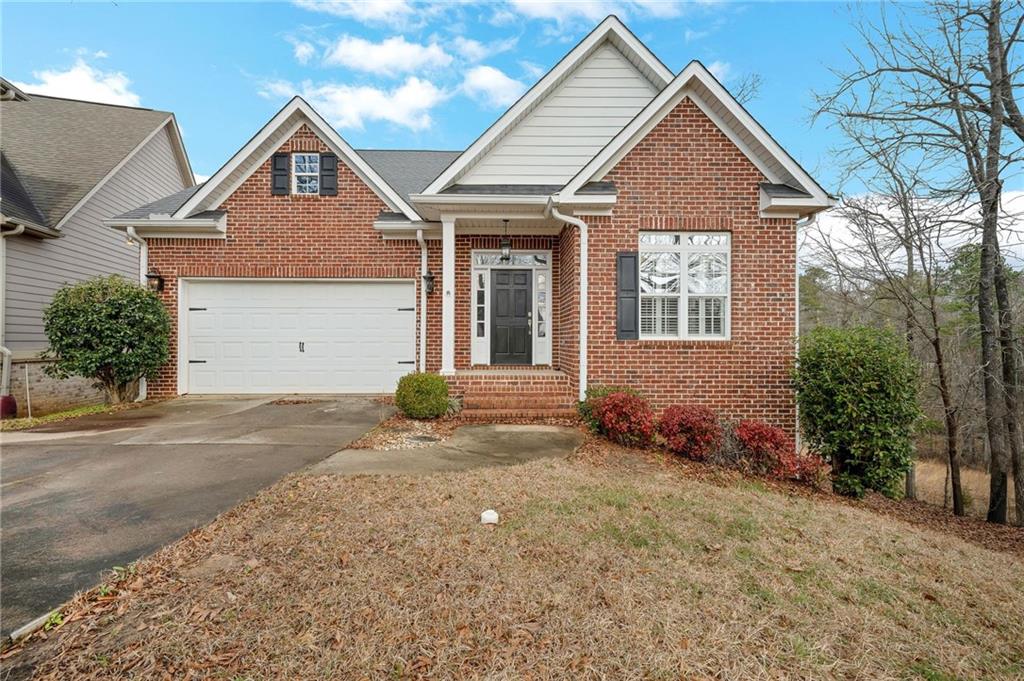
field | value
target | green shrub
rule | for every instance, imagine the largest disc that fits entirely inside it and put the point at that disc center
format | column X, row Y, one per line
column 857, row 394
column 107, row 329
column 422, row 396
column 592, row 397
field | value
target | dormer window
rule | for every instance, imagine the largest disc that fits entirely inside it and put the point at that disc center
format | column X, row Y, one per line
column 305, row 173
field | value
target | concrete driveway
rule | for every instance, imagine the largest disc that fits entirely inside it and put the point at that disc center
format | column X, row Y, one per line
column 81, row 497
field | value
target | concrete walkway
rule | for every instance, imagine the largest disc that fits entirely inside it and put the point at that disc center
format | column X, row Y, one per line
column 477, row 446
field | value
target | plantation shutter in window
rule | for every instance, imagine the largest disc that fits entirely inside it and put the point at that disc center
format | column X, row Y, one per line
column 279, row 167
column 627, row 295
column 328, row 175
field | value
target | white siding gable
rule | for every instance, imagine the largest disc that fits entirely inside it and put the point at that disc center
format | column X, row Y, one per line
column 567, row 128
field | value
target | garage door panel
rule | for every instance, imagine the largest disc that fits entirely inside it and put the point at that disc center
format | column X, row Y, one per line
column 355, row 336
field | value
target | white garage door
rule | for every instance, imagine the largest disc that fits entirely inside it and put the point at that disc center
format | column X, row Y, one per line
column 299, row 336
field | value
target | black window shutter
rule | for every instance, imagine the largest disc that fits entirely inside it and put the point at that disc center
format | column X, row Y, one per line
column 279, row 174
column 627, row 296
column 328, row 175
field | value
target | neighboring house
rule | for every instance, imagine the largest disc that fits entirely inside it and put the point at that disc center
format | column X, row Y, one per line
column 649, row 230
column 68, row 166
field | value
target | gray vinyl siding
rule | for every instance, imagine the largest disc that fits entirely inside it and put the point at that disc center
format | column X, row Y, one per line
column 36, row 268
column 570, row 126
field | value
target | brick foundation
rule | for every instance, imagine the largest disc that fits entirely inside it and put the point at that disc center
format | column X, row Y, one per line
column 48, row 394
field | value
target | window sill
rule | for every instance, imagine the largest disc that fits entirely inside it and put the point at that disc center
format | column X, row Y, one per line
column 663, row 341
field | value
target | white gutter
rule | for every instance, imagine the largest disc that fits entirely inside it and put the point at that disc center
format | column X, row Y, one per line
column 134, row 237
column 5, row 377
column 584, row 249
column 423, row 300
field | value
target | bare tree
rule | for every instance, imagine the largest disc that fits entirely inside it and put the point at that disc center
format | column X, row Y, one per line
column 942, row 88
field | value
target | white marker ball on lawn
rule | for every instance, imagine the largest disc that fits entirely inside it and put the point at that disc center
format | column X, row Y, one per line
column 489, row 517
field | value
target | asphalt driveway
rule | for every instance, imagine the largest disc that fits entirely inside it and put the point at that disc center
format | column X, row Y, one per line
column 79, row 498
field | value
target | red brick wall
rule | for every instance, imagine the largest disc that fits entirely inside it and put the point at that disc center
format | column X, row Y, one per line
column 289, row 236
column 687, row 175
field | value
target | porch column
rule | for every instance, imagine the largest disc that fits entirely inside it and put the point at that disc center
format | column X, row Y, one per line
column 448, row 299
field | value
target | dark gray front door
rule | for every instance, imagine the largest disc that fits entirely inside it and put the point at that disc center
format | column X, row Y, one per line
column 511, row 312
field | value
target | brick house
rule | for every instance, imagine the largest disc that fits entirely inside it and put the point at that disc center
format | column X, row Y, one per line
column 618, row 224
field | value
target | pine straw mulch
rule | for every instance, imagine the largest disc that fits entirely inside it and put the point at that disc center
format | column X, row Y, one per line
column 616, row 570
column 402, row 432
column 996, row 537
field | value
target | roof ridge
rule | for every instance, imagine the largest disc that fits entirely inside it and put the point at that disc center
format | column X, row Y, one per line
column 433, row 151
column 86, row 101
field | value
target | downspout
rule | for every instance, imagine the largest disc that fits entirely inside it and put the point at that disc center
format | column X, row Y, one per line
column 552, row 211
column 5, row 378
column 809, row 222
column 134, row 237
column 423, row 300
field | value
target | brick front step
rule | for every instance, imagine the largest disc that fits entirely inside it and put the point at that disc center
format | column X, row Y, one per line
column 488, row 414
column 505, row 401
column 511, row 393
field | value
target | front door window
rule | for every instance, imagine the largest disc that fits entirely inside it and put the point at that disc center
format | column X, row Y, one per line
column 511, row 316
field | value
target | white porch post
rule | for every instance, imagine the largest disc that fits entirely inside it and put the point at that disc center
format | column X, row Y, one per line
column 448, row 292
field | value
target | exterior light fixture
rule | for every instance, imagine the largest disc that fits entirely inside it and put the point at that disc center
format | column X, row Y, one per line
column 428, row 281
column 154, row 282
column 506, row 244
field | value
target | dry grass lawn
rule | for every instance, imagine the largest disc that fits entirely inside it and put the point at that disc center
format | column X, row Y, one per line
column 931, row 487
column 594, row 572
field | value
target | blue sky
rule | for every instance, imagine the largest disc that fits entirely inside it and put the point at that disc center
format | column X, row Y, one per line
column 396, row 74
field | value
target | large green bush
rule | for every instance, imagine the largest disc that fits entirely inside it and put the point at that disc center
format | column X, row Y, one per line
column 422, row 396
column 107, row 329
column 587, row 408
column 857, row 394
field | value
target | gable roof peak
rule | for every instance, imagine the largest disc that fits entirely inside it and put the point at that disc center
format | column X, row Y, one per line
column 610, row 30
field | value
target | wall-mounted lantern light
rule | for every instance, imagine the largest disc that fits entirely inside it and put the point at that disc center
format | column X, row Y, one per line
column 154, row 282
column 428, row 281
column 506, row 244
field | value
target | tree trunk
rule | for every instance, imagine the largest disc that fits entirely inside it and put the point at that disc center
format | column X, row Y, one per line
column 910, row 492
column 952, row 423
column 1011, row 385
column 989, row 191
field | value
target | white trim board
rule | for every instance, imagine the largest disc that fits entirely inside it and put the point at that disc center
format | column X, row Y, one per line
column 179, row 150
column 208, row 197
column 680, row 88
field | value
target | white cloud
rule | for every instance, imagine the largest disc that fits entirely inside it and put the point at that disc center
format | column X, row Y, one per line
column 390, row 57
column 491, row 86
column 200, row 178
column 302, row 50
column 391, row 12
column 722, row 70
column 352, row 106
column 474, row 50
column 690, row 35
column 83, row 81
column 534, row 71
column 563, row 11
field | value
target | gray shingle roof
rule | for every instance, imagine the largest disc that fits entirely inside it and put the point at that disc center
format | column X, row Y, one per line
column 408, row 171
column 165, row 206
column 783, row 191
column 61, row 148
column 15, row 201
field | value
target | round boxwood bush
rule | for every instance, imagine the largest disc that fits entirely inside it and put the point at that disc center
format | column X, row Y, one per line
column 857, row 394
column 107, row 329
column 690, row 430
column 422, row 396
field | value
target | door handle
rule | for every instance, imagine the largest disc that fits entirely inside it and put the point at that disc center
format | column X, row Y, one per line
column 302, row 346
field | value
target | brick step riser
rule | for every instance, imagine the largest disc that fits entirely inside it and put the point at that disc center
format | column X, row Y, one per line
column 518, row 413
column 516, row 402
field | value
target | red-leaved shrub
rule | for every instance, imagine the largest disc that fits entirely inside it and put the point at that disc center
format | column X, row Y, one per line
column 770, row 451
column 625, row 418
column 690, row 430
